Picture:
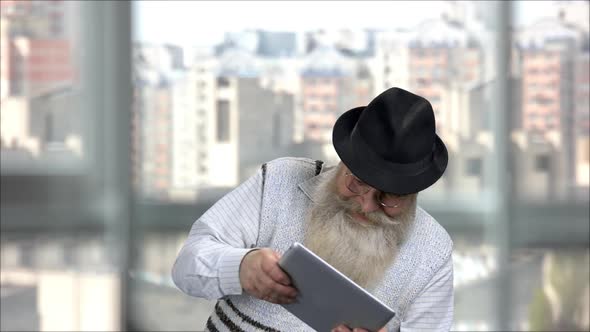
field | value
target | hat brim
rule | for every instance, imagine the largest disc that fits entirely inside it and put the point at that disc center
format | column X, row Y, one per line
column 377, row 174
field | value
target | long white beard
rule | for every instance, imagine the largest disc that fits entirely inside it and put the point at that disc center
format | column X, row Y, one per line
column 361, row 251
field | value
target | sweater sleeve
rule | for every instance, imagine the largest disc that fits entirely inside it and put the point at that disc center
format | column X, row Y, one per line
column 208, row 264
column 433, row 309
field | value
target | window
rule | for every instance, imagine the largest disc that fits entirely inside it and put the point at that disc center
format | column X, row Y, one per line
column 493, row 226
column 202, row 134
column 223, row 121
column 70, row 155
column 542, row 163
column 222, row 82
column 473, row 167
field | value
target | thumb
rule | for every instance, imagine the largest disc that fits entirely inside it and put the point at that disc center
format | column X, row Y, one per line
column 276, row 255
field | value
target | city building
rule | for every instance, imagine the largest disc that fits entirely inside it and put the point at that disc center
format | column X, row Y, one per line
column 38, row 79
column 242, row 142
column 200, row 128
column 35, row 47
column 203, row 78
column 327, row 91
column 468, row 170
column 38, row 66
column 540, row 167
column 547, row 51
column 469, row 142
column 362, row 83
column 153, row 156
column 442, row 54
column 166, row 139
column 429, row 60
column 185, row 141
column 392, row 61
column 14, row 122
column 42, row 125
column 554, row 91
column 582, row 122
column 281, row 75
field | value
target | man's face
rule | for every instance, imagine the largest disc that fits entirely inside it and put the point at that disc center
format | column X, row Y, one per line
column 354, row 232
column 368, row 199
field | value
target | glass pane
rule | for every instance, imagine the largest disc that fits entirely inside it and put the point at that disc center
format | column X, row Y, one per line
column 59, row 259
column 40, row 91
column 549, row 138
column 214, row 99
column 260, row 90
column 551, row 117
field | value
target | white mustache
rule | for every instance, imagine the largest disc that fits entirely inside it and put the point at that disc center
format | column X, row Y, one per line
column 378, row 218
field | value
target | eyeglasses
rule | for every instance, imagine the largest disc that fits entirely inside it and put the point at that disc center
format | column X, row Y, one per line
column 360, row 188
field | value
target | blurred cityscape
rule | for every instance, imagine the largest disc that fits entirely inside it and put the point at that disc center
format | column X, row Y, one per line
column 210, row 120
column 204, row 119
column 39, row 77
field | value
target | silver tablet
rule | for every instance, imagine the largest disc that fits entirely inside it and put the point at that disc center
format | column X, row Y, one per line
column 326, row 297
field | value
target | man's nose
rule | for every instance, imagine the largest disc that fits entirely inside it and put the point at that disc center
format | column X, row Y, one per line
column 369, row 202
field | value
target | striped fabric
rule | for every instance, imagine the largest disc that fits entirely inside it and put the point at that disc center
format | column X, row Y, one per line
column 227, row 316
column 419, row 286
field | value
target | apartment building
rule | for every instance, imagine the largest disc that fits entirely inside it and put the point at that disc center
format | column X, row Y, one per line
column 326, row 92
column 428, row 60
column 35, row 47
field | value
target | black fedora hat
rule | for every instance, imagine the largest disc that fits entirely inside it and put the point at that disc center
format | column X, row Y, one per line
column 391, row 144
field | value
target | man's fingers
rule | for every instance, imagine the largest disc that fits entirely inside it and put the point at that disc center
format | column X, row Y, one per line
column 344, row 328
column 273, row 287
column 277, row 255
column 262, row 277
column 278, row 275
column 271, row 267
column 268, row 290
column 341, row 328
column 278, row 299
column 283, row 290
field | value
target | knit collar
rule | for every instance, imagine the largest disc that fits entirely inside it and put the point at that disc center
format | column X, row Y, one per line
column 311, row 186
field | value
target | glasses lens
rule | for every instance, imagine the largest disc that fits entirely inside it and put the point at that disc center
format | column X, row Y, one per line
column 355, row 185
column 390, row 200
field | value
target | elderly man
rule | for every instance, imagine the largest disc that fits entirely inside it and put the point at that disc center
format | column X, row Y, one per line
column 360, row 216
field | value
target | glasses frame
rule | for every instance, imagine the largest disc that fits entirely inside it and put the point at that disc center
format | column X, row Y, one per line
column 362, row 184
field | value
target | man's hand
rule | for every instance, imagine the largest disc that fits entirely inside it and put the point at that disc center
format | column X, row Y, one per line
column 344, row 328
column 261, row 277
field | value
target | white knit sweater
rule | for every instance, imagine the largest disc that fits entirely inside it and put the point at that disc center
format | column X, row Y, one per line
column 418, row 285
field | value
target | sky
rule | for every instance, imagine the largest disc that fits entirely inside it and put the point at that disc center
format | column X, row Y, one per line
column 202, row 23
